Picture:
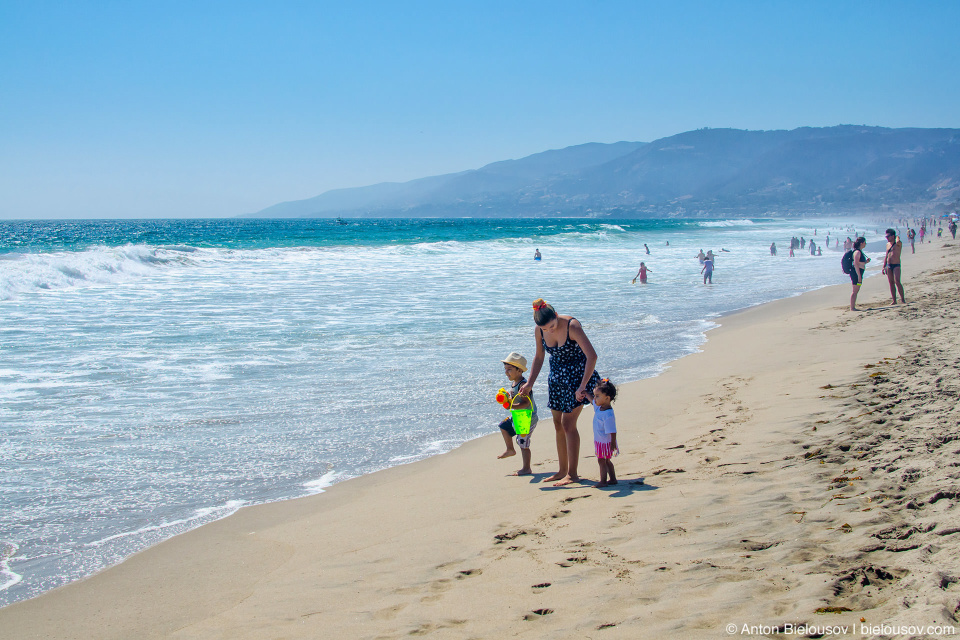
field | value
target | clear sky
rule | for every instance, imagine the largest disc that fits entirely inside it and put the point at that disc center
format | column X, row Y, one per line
column 128, row 108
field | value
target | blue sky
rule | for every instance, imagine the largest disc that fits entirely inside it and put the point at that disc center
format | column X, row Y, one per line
column 121, row 108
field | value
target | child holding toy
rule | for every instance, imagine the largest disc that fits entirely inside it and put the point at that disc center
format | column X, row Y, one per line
column 514, row 366
column 604, row 430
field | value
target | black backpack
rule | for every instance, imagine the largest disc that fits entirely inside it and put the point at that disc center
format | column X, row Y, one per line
column 846, row 262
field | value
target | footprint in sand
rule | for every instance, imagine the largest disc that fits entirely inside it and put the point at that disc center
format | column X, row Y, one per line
column 536, row 614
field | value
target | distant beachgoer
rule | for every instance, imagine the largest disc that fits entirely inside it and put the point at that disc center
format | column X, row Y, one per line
column 773, row 248
column 668, row 243
column 856, row 274
column 536, row 254
column 604, row 430
column 912, row 236
column 923, row 232
column 847, row 244
column 819, row 251
column 701, row 256
column 642, row 274
column 952, row 228
column 647, row 248
column 791, row 250
column 891, row 265
column 828, row 241
column 939, row 232
column 837, row 245
column 514, row 366
column 803, row 242
column 707, row 270
column 572, row 374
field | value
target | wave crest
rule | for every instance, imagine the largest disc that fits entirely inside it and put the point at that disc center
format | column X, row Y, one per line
column 31, row 272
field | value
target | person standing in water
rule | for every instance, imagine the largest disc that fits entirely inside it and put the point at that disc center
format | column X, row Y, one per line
column 707, row 269
column 573, row 362
column 642, row 274
column 647, row 248
column 536, row 254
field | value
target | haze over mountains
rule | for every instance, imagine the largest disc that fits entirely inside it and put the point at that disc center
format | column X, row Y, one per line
column 706, row 172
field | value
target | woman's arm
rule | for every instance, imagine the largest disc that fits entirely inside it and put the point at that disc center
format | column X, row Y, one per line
column 537, row 363
column 576, row 332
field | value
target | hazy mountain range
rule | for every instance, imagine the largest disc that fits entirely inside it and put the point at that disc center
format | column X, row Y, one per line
column 706, row 172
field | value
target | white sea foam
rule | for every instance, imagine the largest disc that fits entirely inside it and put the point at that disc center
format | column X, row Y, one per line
column 317, row 486
column 199, row 516
column 7, row 577
column 725, row 223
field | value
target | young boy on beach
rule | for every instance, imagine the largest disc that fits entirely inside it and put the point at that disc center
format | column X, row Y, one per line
column 604, row 430
column 514, row 366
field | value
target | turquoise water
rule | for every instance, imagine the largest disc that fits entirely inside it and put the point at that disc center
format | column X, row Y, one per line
column 156, row 375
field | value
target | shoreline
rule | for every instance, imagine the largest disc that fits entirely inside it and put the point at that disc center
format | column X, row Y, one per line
column 250, row 573
column 701, row 324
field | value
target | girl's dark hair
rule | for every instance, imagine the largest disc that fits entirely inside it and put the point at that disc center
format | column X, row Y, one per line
column 608, row 388
column 859, row 242
column 543, row 313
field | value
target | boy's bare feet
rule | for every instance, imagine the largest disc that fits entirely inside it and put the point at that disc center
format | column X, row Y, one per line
column 507, row 454
column 556, row 476
column 522, row 472
column 601, row 485
column 567, row 480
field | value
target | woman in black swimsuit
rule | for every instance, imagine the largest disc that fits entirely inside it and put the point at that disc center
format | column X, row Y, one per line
column 572, row 374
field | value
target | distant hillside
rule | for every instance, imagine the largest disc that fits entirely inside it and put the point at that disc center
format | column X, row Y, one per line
column 703, row 172
column 499, row 179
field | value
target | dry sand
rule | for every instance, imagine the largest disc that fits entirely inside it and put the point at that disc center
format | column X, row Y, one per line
column 806, row 461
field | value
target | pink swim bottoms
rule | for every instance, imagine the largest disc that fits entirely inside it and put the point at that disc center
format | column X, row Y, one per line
column 604, row 452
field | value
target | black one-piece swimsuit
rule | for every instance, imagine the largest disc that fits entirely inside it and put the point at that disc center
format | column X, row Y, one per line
column 567, row 364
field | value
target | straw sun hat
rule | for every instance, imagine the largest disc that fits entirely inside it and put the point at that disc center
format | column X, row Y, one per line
column 516, row 360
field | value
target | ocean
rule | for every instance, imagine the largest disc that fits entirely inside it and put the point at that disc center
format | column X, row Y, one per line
column 157, row 375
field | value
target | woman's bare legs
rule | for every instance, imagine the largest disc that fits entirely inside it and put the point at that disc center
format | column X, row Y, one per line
column 561, row 447
column 568, row 422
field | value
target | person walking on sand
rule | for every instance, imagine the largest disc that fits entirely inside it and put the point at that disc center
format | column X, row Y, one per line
column 912, row 236
column 642, row 274
column 856, row 274
column 573, row 362
column 891, row 265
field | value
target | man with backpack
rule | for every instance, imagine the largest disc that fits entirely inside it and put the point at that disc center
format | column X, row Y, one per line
column 854, row 262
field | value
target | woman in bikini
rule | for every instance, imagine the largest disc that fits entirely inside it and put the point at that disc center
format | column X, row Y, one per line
column 572, row 373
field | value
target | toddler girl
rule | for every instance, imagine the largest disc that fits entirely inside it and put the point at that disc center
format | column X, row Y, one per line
column 604, row 430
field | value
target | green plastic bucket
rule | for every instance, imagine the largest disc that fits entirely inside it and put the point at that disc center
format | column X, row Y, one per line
column 522, row 419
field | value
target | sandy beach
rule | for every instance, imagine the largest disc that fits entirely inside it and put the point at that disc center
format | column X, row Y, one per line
column 801, row 470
